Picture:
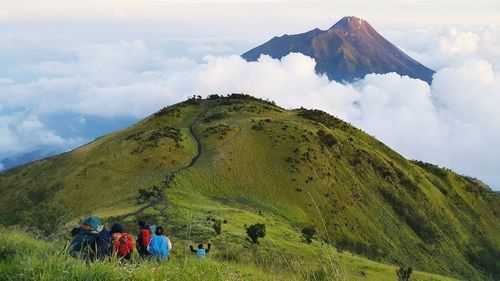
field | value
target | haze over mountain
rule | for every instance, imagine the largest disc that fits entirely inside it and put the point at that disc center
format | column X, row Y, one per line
column 350, row 49
column 30, row 156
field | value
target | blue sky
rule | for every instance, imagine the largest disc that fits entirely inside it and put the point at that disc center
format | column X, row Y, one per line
column 73, row 70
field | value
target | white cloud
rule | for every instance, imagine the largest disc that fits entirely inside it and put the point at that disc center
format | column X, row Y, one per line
column 440, row 47
column 454, row 123
column 20, row 134
column 32, row 128
column 461, row 42
column 122, row 79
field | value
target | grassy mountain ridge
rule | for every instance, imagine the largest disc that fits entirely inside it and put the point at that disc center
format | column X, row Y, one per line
column 246, row 160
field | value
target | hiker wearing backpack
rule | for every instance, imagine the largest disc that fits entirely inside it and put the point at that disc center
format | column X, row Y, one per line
column 143, row 239
column 160, row 246
column 123, row 247
column 201, row 252
column 90, row 240
column 104, row 244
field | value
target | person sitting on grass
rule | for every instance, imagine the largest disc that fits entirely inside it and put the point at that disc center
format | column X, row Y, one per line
column 91, row 240
column 160, row 246
column 143, row 239
column 123, row 247
column 201, row 252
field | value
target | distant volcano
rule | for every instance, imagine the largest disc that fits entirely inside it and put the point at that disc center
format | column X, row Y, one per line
column 350, row 49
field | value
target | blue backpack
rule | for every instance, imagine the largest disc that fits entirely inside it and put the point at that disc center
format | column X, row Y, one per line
column 152, row 230
column 92, row 223
column 104, row 244
column 85, row 243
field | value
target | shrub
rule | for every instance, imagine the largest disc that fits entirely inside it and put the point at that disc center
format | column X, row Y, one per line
column 217, row 226
column 213, row 97
column 167, row 182
column 434, row 169
column 404, row 273
column 258, row 127
column 156, row 192
column 256, row 231
column 326, row 138
column 194, row 100
column 151, row 139
column 308, row 233
column 221, row 130
column 144, row 195
column 168, row 111
column 215, row 116
column 326, row 119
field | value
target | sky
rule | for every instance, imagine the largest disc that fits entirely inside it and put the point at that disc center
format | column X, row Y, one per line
column 71, row 71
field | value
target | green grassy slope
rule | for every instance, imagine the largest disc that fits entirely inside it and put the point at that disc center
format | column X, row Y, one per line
column 23, row 257
column 287, row 169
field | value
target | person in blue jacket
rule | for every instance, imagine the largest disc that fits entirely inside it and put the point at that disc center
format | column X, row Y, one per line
column 160, row 246
column 201, row 252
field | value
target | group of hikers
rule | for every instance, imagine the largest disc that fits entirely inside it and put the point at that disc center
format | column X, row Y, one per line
column 92, row 241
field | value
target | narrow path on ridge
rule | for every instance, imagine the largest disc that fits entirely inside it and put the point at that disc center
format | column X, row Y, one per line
column 196, row 138
column 193, row 160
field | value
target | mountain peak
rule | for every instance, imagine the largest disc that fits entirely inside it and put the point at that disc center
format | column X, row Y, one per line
column 350, row 23
column 347, row 51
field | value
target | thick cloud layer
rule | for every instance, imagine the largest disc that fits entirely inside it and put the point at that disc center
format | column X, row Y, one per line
column 440, row 47
column 453, row 123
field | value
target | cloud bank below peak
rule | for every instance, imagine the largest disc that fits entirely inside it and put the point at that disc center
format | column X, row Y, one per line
column 453, row 123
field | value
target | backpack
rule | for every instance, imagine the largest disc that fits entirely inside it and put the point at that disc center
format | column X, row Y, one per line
column 121, row 247
column 140, row 243
column 92, row 223
column 104, row 244
column 169, row 243
column 84, row 245
column 152, row 230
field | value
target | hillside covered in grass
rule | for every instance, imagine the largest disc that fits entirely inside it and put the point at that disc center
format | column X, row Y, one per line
column 23, row 257
column 240, row 161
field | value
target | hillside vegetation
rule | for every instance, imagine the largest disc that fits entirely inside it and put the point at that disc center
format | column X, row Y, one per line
column 240, row 161
column 22, row 257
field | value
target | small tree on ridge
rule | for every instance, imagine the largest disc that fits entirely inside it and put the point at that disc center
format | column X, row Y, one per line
column 256, row 231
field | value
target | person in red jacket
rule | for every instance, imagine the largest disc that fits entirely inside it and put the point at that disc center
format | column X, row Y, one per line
column 143, row 239
column 123, row 247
